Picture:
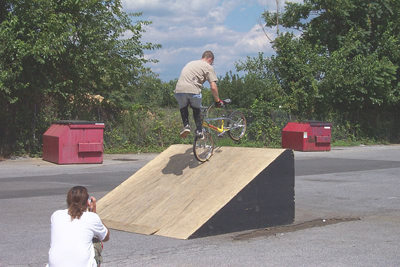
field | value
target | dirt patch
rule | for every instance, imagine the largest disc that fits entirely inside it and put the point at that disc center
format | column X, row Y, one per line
column 273, row 231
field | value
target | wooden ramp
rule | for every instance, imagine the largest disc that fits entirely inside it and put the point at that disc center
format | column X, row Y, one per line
column 175, row 196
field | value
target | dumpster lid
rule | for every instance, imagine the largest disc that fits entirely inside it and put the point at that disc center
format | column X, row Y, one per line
column 78, row 122
column 296, row 127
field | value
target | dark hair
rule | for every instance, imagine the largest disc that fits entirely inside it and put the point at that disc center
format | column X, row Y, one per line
column 77, row 198
column 208, row 54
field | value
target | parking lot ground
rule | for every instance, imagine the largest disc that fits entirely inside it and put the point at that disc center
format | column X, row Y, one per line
column 347, row 214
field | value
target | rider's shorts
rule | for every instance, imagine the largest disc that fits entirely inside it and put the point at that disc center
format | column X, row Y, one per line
column 185, row 99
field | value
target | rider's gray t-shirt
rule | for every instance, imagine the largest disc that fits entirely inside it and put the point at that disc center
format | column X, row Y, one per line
column 193, row 75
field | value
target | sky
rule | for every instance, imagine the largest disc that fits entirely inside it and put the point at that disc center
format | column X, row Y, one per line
column 187, row 28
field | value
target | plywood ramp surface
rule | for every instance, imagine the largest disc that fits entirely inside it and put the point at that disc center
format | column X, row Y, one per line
column 174, row 195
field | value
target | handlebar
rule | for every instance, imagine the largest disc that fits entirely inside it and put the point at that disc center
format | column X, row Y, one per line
column 225, row 102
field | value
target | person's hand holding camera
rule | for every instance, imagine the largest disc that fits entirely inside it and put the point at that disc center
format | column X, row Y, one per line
column 92, row 204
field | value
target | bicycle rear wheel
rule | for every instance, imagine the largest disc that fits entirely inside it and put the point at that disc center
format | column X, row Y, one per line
column 237, row 125
column 203, row 148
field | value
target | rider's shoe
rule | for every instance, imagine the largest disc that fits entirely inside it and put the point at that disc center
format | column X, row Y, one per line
column 185, row 131
column 200, row 134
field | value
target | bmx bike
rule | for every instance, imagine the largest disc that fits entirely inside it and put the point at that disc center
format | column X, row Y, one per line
column 215, row 119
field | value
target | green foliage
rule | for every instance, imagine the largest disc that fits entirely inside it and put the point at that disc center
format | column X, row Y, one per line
column 65, row 52
column 150, row 90
column 244, row 90
column 144, row 129
column 290, row 78
column 344, row 67
column 84, row 60
column 359, row 84
column 331, row 20
column 265, row 124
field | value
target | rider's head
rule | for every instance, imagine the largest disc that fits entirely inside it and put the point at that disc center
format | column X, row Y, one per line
column 208, row 56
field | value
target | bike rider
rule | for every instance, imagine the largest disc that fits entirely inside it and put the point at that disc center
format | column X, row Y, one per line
column 188, row 90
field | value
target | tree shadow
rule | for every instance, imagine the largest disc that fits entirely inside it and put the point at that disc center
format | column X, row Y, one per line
column 179, row 162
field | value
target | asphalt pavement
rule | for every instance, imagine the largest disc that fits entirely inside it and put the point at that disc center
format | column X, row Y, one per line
column 347, row 214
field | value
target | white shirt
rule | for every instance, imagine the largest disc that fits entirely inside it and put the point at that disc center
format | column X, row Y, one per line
column 71, row 241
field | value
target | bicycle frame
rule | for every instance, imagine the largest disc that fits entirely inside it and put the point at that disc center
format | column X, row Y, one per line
column 203, row 145
column 212, row 127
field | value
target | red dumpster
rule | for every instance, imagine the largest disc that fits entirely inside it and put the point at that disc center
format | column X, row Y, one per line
column 307, row 136
column 73, row 142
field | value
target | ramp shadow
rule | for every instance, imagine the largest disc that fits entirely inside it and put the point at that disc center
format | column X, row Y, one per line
column 179, row 162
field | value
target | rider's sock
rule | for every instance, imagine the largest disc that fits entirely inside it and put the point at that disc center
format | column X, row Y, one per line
column 197, row 119
column 185, row 116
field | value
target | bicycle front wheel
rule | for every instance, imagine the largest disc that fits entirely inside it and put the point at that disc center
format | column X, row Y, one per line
column 203, row 148
column 237, row 125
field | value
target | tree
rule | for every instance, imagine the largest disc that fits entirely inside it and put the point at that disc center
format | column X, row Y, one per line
column 150, row 90
column 292, row 74
column 345, row 63
column 361, row 40
column 56, row 55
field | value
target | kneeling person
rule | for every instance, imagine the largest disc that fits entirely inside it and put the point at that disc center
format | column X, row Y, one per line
column 77, row 232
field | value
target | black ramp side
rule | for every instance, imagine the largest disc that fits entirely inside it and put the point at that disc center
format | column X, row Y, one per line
column 267, row 201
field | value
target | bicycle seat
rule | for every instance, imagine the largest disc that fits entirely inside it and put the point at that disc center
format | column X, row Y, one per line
column 227, row 101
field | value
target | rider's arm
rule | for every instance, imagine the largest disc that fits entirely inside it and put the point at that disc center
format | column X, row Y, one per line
column 214, row 91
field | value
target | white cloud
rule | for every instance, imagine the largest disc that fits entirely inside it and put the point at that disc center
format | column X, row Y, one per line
column 255, row 41
column 220, row 13
column 181, row 8
column 228, row 49
column 295, row 1
column 272, row 3
column 186, row 28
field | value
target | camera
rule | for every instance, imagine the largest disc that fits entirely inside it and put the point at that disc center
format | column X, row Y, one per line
column 89, row 202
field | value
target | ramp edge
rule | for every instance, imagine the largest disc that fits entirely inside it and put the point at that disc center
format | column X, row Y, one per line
column 129, row 227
